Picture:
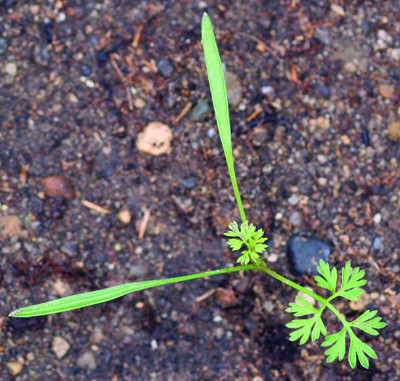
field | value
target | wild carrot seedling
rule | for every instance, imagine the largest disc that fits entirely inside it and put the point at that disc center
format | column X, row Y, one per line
column 246, row 236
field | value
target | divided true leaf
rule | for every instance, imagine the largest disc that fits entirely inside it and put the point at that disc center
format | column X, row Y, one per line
column 359, row 349
column 328, row 279
column 337, row 344
column 367, row 323
column 352, row 281
column 303, row 329
column 251, row 237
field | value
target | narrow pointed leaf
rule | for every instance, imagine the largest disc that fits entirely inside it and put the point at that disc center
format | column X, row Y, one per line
column 100, row 296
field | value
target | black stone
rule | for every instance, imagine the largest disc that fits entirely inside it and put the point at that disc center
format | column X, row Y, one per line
column 305, row 253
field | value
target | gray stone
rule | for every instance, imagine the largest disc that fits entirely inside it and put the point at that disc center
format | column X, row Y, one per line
column 165, row 67
column 87, row 360
column 234, row 88
column 325, row 91
column 295, row 219
column 201, row 111
column 3, row 45
column 70, row 248
column 137, row 271
column 305, row 253
column 377, row 244
column 41, row 55
column 189, row 183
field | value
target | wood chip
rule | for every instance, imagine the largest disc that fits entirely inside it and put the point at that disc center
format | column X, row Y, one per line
column 183, row 112
column 253, row 114
column 138, row 34
column 337, row 9
column 24, row 175
column 95, row 207
column 143, row 224
column 205, row 296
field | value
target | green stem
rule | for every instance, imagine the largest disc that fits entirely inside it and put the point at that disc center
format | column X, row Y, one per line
column 263, row 267
column 232, row 175
column 325, row 302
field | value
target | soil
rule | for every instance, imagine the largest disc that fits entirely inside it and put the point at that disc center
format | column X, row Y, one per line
column 80, row 80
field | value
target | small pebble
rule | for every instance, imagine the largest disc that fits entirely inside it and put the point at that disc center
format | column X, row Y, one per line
column 153, row 344
column 377, row 218
column 211, row 133
column 268, row 306
column 394, row 130
column 267, row 90
column 219, row 332
column 395, row 54
column 201, row 111
column 338, row 9
column 125, row 216
column 139, row 103
column 56, row 186
column 72, row 98
column 61, row 288
column 309, row 298
column 137, row 271
column 155, row 139
column 3, row 45
column 293, row 199
column 323, row 122
column 295, row 219
column 350, row 67
column 377, row 244
column 35, row 9
column 60, row 346
column 97, row 335
column 305, row 253
column 234, row 88
column 385, row 310
column 361, row 302
column 11, row 69
column 189, row 183
column 70, row 248
column 386, row 90
column 15, row 367
column 165, row 67
column 325, row 91
column 345, row 139
column 87, row 360
column 226, row 297
column 41, row 55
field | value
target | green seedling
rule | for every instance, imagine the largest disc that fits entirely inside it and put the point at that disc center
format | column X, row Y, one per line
column 308, row 319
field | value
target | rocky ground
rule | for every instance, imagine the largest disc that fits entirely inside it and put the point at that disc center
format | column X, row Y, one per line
column 88, row 201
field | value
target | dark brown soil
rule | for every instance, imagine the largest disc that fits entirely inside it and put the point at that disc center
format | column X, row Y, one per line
column 79, row 80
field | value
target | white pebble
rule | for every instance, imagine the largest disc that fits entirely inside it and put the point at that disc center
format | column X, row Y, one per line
column 11, row 69
column 377, row 218
column 396, row 54
column 154, row 344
